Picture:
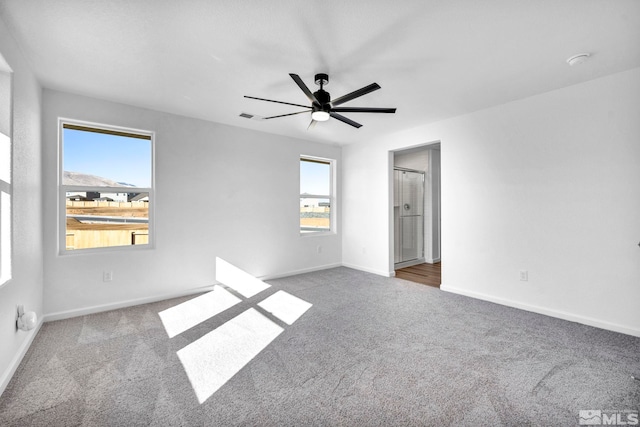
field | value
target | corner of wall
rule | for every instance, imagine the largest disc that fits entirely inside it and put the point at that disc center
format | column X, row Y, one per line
column 5, row 377
column 26, row 285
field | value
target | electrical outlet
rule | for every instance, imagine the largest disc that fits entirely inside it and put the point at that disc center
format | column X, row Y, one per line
column 524, row 275
column 107, row 276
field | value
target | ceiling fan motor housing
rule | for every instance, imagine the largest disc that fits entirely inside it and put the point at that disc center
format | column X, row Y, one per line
column 321, row 79
column 324, row 98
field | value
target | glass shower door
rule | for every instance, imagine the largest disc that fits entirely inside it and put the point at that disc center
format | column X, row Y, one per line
column 410, row 212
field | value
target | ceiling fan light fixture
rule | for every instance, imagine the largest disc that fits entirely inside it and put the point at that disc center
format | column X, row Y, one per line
column 320, row 116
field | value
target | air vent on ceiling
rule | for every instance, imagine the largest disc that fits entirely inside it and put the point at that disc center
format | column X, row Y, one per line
column 246, row 116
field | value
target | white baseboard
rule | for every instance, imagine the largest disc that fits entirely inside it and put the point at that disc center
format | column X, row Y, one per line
column 547, row 312
column 122, row 304
column 301, row 271
column 433, row 260
column 15, row 362
column 129, row 303
column 370, row 270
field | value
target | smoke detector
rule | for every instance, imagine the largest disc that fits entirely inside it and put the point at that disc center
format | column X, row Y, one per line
column 578, row 59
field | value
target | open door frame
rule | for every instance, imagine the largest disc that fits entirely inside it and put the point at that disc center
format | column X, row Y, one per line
column 432, row 217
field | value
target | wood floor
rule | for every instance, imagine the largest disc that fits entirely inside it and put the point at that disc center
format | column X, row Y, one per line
column 427, row 274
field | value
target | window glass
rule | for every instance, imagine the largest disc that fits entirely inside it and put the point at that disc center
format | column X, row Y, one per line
column 316, row 195
column 315, row 177
column 5, row 158
column 106, row 186
column 99, row 159
column 5, row 237
column 6, row 188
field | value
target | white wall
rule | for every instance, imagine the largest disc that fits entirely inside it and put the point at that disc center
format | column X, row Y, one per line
column 412, row 159
column 367, row 211
column 26, row 285
column 220, row 191
column 548, row 184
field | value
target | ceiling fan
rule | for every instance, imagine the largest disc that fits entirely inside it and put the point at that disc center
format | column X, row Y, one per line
column 322, row 107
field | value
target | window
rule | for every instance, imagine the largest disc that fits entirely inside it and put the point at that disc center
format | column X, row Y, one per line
column 106, row 191
column 6, row 188
column 316, row 195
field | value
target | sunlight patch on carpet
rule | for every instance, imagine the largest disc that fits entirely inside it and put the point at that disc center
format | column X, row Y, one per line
column 285, row 306
column 238, row 280
column 216, row 357
column 188, row 314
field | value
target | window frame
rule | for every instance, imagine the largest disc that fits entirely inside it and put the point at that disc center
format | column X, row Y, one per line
column 333, row 226
column 6, row 213
column 63, row 189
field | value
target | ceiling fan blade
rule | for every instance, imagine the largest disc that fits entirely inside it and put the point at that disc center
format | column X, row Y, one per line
column 355, row 94
column 312, row 124
column 278, row 102
column 363, row 110
column 344, row 119
column 285, row 115
column 296, row 78
column 251, row 116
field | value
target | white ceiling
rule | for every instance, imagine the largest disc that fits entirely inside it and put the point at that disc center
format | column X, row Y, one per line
column 433, row 58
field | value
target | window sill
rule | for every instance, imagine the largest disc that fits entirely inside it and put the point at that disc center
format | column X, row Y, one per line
column 4, row 281
column 108, row 249
column 318, row 233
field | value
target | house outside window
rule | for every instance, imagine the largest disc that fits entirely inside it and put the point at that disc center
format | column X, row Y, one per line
column 106, row 191
column 317, row 195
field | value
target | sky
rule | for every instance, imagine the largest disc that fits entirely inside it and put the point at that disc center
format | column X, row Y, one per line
column 119, row 158
column 315, row 178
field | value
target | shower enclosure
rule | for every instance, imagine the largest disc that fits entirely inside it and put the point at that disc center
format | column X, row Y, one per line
column 408, row 211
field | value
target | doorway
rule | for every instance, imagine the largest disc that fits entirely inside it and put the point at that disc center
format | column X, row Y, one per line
column 416, row 229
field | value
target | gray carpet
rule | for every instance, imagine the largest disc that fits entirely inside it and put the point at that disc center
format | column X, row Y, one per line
column 371, row 351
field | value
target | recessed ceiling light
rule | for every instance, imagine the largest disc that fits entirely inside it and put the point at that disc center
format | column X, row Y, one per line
column 578, row 59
